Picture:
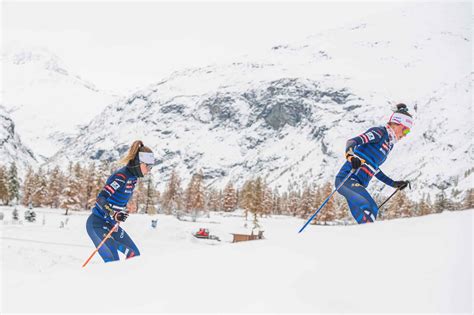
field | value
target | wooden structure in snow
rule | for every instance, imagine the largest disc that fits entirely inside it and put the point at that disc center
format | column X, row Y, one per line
column 247, row 237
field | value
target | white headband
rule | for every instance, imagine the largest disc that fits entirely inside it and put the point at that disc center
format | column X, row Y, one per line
column 146, row 157
column 401, row 119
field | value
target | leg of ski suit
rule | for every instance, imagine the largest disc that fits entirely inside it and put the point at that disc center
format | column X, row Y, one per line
column 98, row 228
column 363, row 207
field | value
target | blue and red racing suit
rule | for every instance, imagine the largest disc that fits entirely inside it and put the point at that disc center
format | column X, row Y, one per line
column 115, row 195
column 373, row 146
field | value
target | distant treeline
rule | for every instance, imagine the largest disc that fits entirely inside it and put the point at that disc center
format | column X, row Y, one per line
column 76, row 188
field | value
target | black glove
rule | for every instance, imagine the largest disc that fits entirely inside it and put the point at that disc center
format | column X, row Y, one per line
column 354, row 160
column 120, row 216
column 402, row 184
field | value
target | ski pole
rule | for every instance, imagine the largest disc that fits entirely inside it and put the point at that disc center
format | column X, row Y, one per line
column 327, row 199
column 388, row 198
column 397, row 190
column 100, row 245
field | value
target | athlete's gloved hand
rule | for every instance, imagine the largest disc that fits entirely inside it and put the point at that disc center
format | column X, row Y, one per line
column 120, row 216
column 107, row 207
column 401, row 184
column 354, row 160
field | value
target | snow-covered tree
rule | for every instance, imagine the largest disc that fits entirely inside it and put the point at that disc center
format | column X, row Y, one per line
column 4, row 194
column 213, row 200
column 13, row 184
column 306, row 203
column 267, row 206
column 172, row 196
column 72, row 191
column 39, row 188
column 194, row 196
column 230, row 198
column 150, row 196
column 441, row 203
column 27, row 187
column 55, row 187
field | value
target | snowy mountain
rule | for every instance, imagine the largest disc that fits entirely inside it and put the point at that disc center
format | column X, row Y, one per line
column 45, row 99
column 286, row 115
column 11, row 147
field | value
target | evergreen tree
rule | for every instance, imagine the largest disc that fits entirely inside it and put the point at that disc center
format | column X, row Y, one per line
column 469, row 199
column 137, row 203
column 4, row 193
column 150, row 201
column 276, row 202
column 213, row 198
column 54, row 187
column 267, row 202
column 425, row 206
column 27, row 188
column 230, row 198
column 441, row 203
column 71, row 190
column 400, row 206
column 15, row 214
column 39, row 190
column 247, row 198
column 171, row 199
column 306, row 203
column 88, row 180
column 194, row 196
column 328, row 213
column 13, row 184
column 257, row 202
column 293, row 203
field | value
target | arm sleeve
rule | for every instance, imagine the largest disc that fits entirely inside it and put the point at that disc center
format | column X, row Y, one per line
column 114, row 183
column 384, row 178
column 370, row 136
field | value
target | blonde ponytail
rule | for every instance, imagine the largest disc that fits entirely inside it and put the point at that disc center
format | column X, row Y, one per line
column 137, row 146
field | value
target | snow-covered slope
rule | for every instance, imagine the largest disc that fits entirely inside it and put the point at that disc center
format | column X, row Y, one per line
column 45, row 99
column 287, row 114
column 11, row 147
column 418, row 265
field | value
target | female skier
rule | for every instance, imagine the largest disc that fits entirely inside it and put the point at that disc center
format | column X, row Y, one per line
column 365, row 154
column 111, row 204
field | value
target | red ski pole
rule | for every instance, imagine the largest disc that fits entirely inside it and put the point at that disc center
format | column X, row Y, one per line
column 100, row 245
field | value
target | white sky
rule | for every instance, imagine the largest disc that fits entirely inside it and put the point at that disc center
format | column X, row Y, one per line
column 120, row 45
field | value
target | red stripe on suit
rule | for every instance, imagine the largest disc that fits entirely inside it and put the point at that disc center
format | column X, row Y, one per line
column 110, row 189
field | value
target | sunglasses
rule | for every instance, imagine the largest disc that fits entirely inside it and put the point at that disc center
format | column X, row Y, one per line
column 149, row 167
column 406, row 131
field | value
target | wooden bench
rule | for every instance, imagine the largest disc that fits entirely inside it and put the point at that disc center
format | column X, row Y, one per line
column 247, row 237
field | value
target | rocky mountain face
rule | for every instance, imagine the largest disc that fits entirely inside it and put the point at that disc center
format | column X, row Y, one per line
column 287, row 114
column 11, row 147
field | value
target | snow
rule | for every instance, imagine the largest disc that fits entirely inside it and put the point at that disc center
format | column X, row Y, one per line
column 46, row 101
column 408, row 265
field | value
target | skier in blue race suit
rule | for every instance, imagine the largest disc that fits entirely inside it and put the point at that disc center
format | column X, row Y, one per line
column 111, row 204
column 365, row 153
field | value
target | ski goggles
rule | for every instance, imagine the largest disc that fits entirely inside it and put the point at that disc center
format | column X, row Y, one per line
column 147, row 158
column 405, row 130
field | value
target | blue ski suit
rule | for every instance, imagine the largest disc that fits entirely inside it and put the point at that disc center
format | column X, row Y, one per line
column 116, row 193
column 373, row 146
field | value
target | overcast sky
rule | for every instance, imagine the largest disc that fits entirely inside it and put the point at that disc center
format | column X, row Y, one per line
column 123, row 45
